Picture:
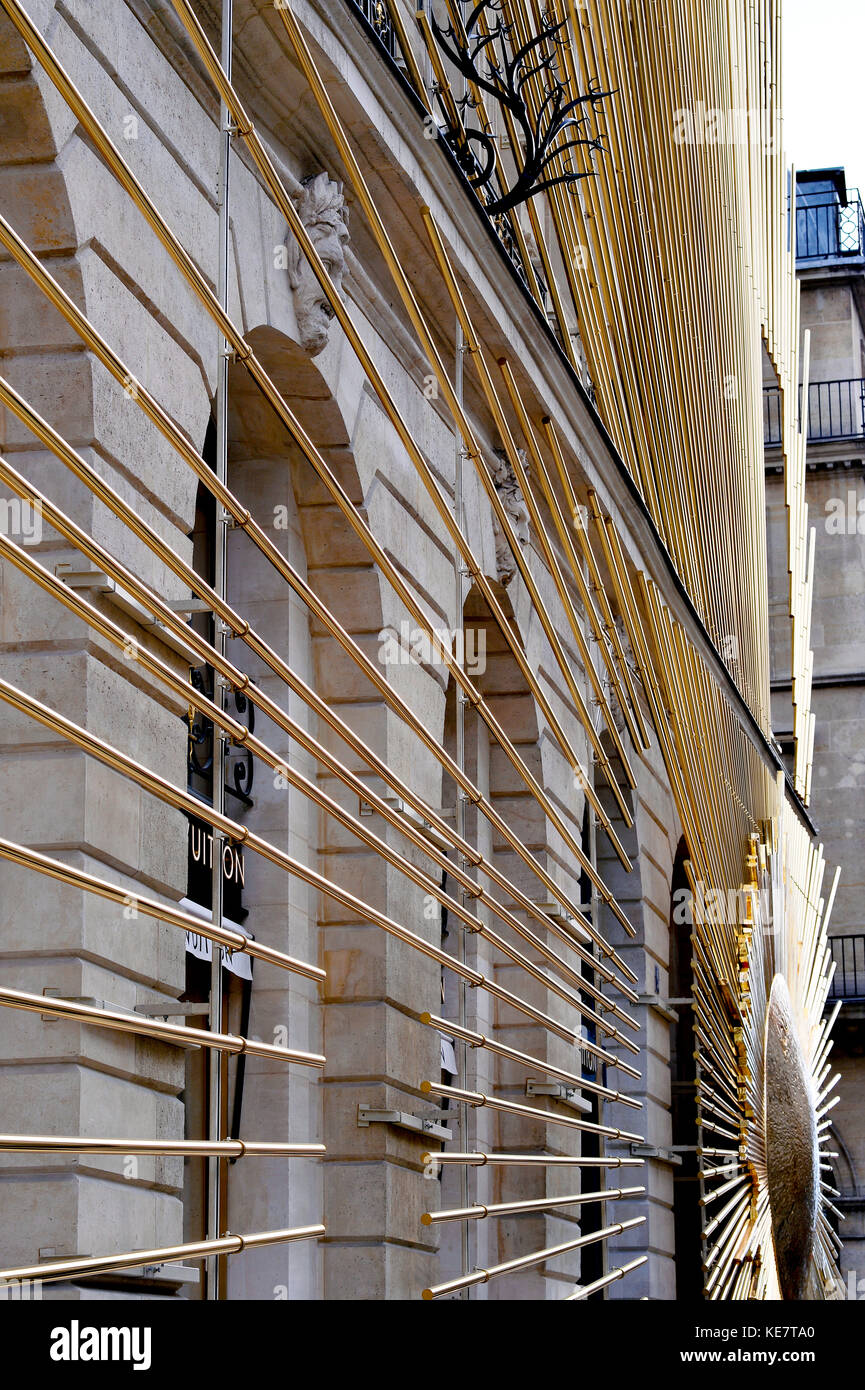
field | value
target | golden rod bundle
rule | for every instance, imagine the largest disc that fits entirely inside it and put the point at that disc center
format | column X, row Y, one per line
column 86, row 1268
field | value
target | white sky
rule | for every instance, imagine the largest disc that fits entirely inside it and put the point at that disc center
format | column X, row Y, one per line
column 824, row 85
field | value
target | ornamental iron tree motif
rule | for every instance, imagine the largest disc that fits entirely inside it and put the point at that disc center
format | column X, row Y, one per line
column 526, row 79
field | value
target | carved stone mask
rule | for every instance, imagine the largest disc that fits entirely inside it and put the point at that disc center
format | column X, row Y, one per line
column 514, row 504
column 322, row 211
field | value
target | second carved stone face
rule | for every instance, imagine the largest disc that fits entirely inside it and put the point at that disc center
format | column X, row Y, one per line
column 321, row 207
column 311, row 307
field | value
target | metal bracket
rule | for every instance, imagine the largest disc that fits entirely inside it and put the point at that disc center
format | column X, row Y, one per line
column 419, row 1124
column 660, row 1006
column 172, row 1008
column 411, row 815
column 85, row 579
column 51, row 992
column 188, row 605
column 568, row 1095
column 171, row 1273
column 157, row 1008
column 556, row 911
column 118, row 597
column 660, row 1155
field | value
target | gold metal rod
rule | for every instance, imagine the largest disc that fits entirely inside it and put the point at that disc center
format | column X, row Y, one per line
column 87, row 1267
column 579, row 515
column 539, row 1204
column 606, row 1279
column 189, row 1148
column 242, row 737
column 241, row 834
column 553, row 638
column 513, row 137
column 320, row 92
column 724, row 1189
column 524, row 479
column 242, row 629
column 583, row 588
column 480, row 1160
column 241, row 682
column 123, row 173
column 406, row 49
column 481, row 116
column 181, row 1036
column 512, row 1107
column 483, row 1276
column 441, row 85
column 445, row 1025
column 161, row 912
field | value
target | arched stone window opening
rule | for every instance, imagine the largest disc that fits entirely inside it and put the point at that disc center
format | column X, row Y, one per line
column 496, row 1239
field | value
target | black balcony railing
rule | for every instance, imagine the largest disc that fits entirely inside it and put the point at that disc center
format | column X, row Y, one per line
column 771, row 415
column 827, row 231
column 836, row 410
column 375, row 12
column 848, row 982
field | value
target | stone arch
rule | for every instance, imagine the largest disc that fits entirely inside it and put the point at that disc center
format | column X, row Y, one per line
column 514, row 706
column 270, row 476
column 366, row 1022
column 645, row 895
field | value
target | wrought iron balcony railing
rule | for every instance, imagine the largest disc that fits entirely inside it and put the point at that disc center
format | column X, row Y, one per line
column 375, row 12
column 848, row 982
column 836, row 410
column 828, row 231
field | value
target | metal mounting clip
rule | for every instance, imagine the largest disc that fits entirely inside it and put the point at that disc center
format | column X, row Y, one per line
column 419, row 1124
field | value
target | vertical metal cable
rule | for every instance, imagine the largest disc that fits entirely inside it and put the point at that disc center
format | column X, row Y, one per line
column 460, row 802
column 218, row 1065
column 595, row 910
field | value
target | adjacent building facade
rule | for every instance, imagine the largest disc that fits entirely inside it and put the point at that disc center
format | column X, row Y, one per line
column 830, row 258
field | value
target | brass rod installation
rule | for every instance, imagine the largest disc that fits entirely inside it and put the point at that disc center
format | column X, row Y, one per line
column 187, row 1148
column 483, row 1276
column 179, row 1035
column 87, row 1267
column 512, row 1107
column 539, row 1204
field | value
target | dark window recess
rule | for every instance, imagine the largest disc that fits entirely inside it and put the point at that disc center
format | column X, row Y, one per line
column 237, row 993
column 199, row 760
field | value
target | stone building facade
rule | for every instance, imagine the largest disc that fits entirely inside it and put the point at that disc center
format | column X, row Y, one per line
column 135, row 66
column 831, row 269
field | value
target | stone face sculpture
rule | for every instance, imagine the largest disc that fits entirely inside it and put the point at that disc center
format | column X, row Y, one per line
column 514, row 504
column 321, row 207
